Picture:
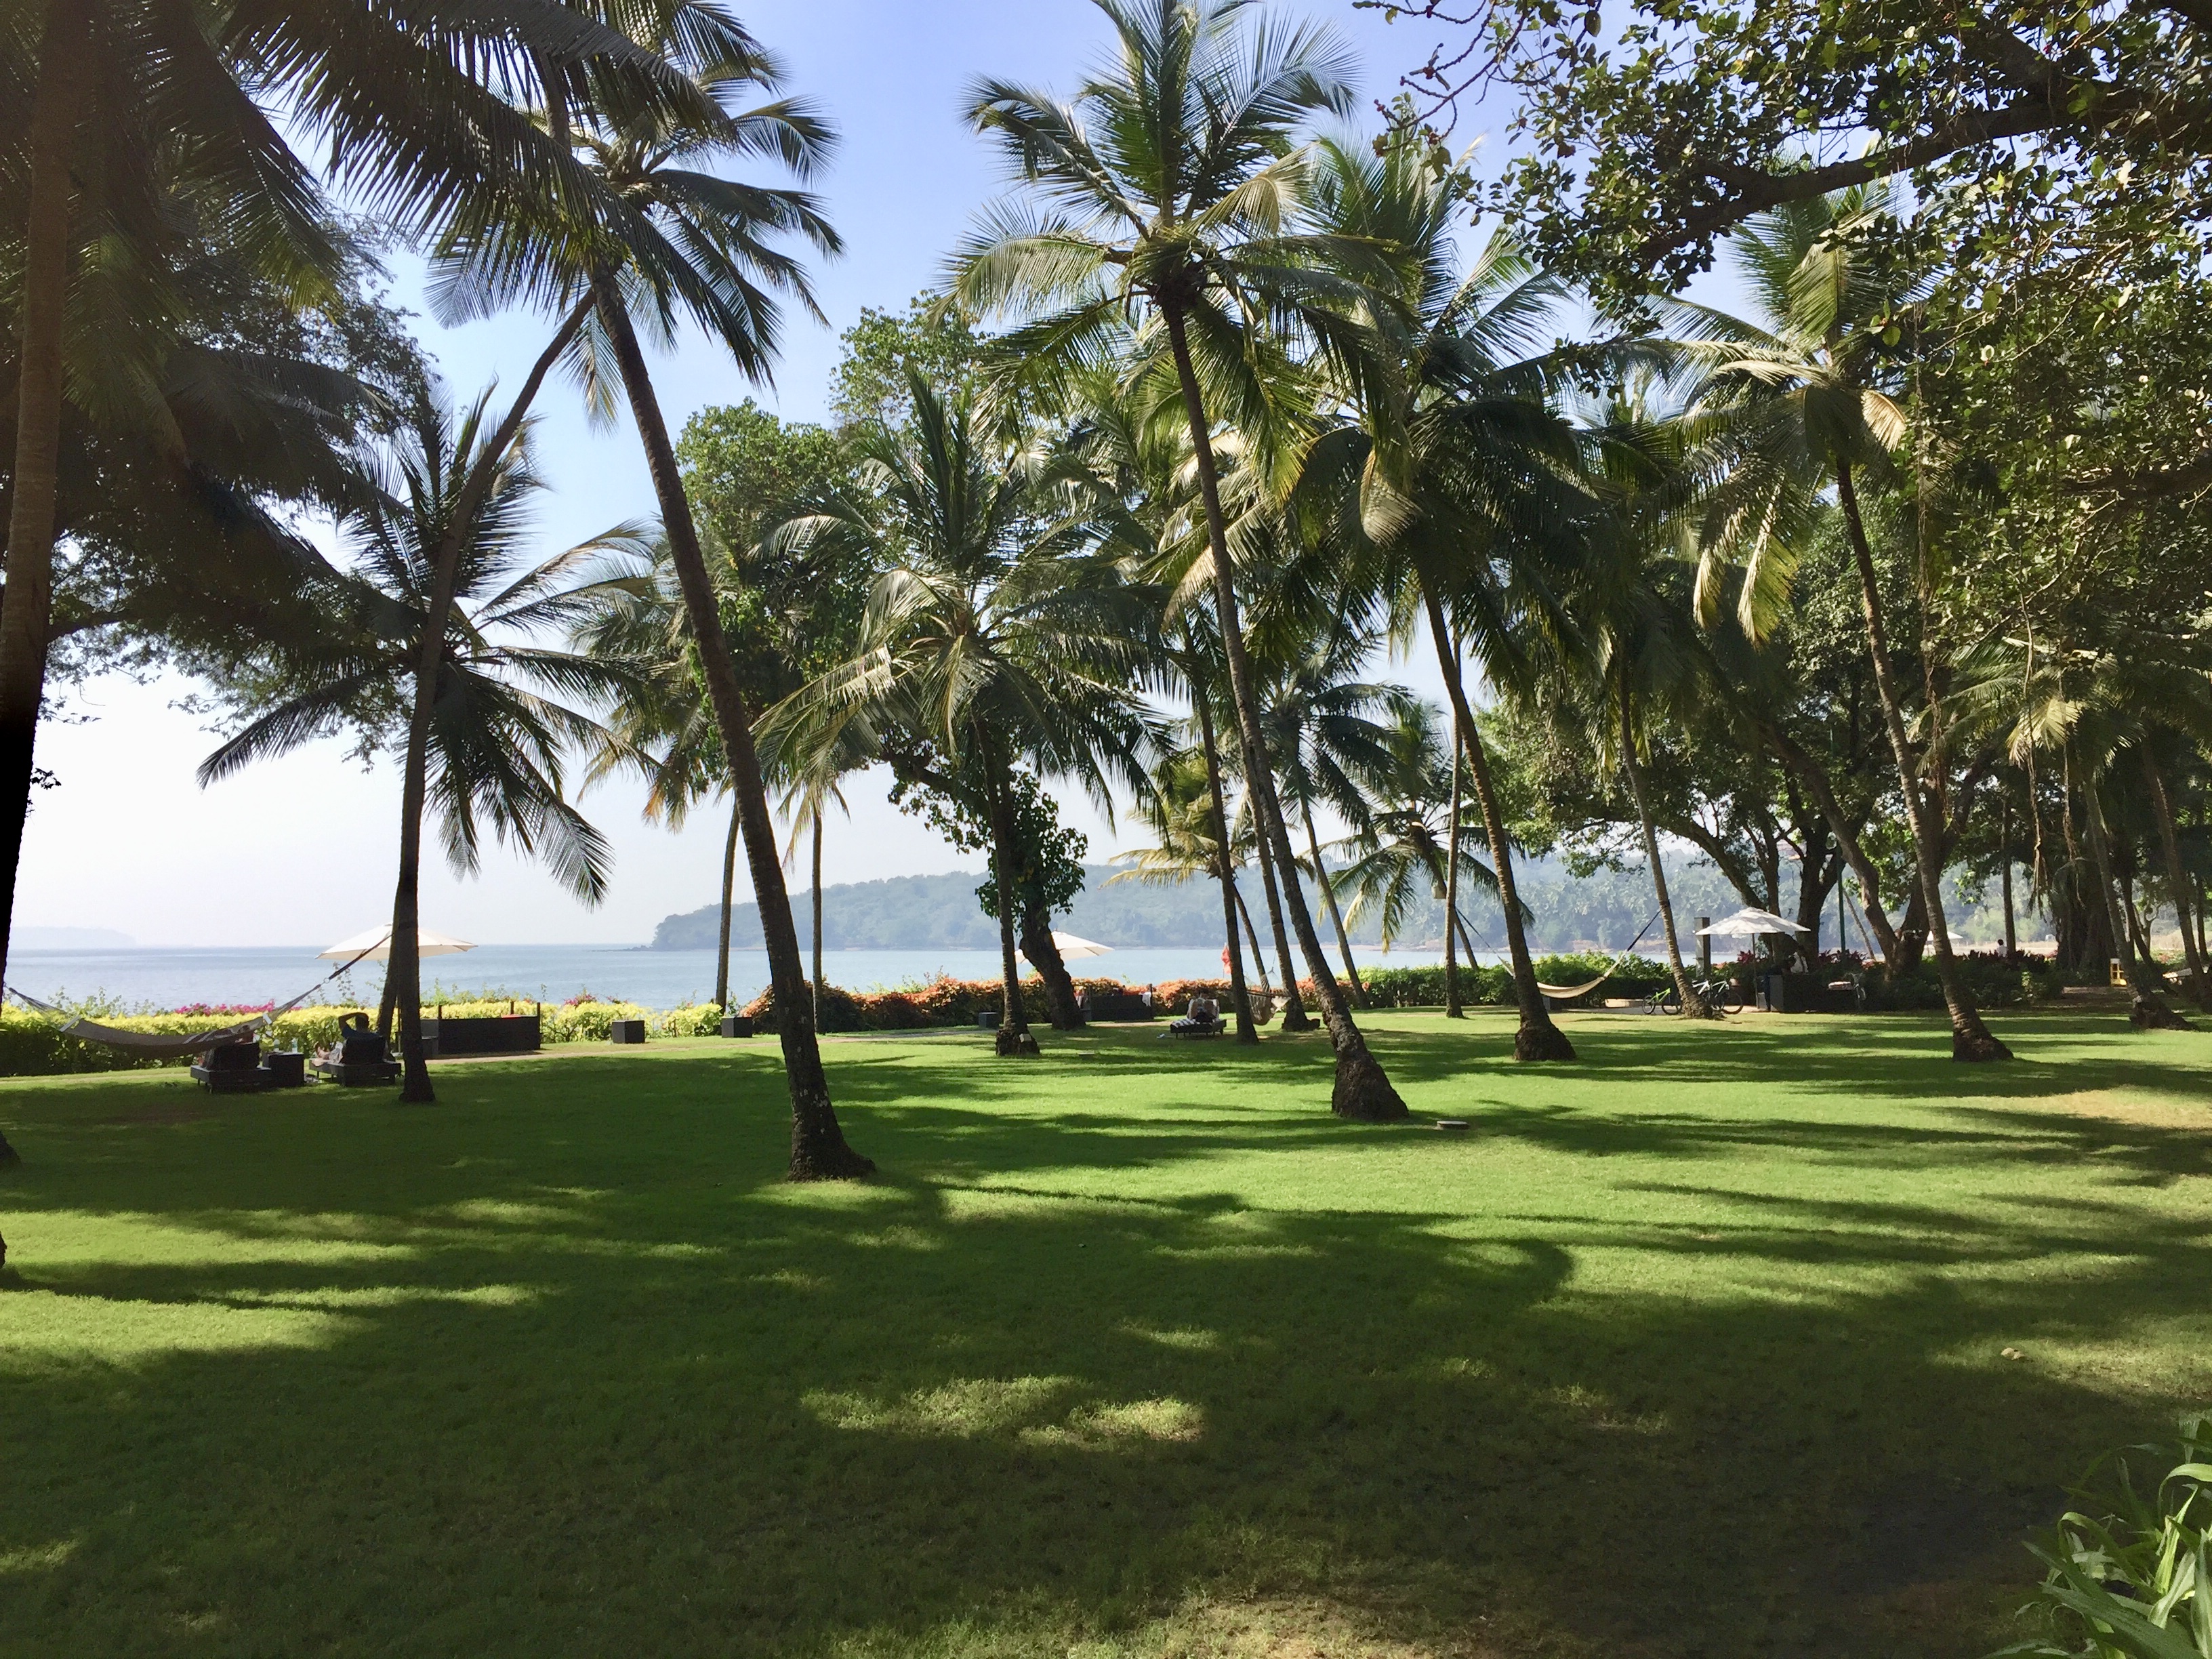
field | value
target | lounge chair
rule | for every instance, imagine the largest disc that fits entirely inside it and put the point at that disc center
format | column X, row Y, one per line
column 358, row 1059
column 1202, row 1019
column 233, row 1069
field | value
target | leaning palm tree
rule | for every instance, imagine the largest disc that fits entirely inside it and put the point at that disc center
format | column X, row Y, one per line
column 694, row 246
column 492, row 751
column 1793, row 404
column 110, row 103
column 996, row 635
column 1170, row 183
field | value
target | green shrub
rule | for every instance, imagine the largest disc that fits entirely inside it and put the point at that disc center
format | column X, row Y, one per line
column 2130, row 1572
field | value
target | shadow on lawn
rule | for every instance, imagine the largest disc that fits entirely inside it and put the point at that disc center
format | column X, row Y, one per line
column 711, row 1414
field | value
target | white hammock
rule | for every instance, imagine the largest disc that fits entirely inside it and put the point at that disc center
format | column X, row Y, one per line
column 1569, row 992
column 165, row 1045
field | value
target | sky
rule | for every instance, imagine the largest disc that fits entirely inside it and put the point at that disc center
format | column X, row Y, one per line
column 301, row 849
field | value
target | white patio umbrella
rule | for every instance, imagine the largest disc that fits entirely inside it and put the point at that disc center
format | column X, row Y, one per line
column 1749, row 923
column 1072, row 949
column 376, row 945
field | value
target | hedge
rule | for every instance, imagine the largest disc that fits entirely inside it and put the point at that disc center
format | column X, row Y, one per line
column 32, row 1045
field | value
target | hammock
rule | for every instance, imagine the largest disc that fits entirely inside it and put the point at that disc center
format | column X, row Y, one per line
column 1569, row 992
column 162, row 1045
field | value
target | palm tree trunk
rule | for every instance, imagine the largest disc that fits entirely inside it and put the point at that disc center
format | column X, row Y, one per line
column 1335, row 915
column 1294, row 1012
column 729, row 894
column 1363, row 1090
column 818, row 1151
column 1970, row 1038
column 818, row 913
column 1240, row 994
column 404, row 968
column 1015, row 1039
column 1537, row 1038
column 1260, row 960
column 2149, row 1012
column 27, row 618
column 2176, row 877
column 2004, row 849
column 1452, row 1008
column 1694, row 1006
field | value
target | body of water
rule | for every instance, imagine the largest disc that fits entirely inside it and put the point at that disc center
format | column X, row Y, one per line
column 549, row 973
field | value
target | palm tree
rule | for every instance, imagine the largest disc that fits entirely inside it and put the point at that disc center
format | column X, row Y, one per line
column 1795, row 405
column 492, row 752
column 119, row 103
column 1331, row 732
column 1169, row 181
column 992, row 638
column 1403, row 850
column 1459, row 487
column 692, row 245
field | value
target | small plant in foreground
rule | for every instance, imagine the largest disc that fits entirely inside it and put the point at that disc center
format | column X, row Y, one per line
column 2132, row 1576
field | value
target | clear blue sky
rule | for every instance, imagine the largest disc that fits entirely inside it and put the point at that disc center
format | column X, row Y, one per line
column 301, row 850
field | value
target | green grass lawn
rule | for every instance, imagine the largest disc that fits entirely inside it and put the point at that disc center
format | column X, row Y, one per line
column 1693, row 1348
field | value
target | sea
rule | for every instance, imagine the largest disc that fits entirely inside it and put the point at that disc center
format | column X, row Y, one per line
column 141, row 981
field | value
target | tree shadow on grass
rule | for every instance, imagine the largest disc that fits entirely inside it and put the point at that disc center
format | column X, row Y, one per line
column 560, row 1368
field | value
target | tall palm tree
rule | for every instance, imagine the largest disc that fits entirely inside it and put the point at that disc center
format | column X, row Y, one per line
column 493, row 749
column 1169, row 183
column 1403, row 849
column 993, row 636
column 109, row 101
column 1796, row 402
column 1459, row 486
column 696, row 246
column 1331, row 732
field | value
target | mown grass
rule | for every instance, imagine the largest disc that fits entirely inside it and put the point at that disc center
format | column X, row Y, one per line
column 1691, row 1349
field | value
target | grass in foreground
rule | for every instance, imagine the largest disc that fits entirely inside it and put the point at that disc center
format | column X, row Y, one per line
column 1694, row 1349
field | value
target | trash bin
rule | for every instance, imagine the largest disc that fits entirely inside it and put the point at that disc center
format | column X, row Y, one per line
column 986, row 1021
column 626, row 1031
column 736, row 1026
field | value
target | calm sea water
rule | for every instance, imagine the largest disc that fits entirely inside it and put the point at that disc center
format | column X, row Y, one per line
column 549, row 973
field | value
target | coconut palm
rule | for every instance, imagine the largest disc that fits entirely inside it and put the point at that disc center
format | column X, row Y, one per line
column 114, row 107
column 993, row 638
column 1330, row 730
column 696, row 247
column 1168, row 186
column 503, row 714
column 1458, row 489
column 1794, row 402
column 1403, row 851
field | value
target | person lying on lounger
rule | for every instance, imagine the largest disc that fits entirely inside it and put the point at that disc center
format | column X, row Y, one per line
column 1202, row 1019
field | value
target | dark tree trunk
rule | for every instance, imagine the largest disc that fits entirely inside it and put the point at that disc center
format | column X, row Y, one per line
column 818, row 1151
column 2149, row 1011
column 2176, row 877
column 27, row 618
column 1015, row 1039
column 1537, row 1038
column 1240, row 994
column 1335, row 914
column 1694, row 1006
column 729, row 898
column 820, row 982
column 1971, row 1039
column 1452, row 1008
column 1294, row 1012
column 1059, row 984
column 2004, row 868
column 1362, row 1090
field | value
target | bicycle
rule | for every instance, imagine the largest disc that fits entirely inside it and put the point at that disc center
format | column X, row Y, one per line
column 1725, row 995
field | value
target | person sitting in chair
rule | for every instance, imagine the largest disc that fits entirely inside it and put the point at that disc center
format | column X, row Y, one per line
column 1202, row 1019
column 358, row 1043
